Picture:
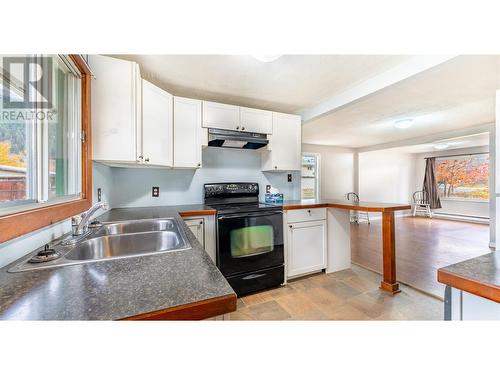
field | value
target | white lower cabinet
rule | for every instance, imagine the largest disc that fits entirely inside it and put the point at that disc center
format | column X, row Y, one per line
column 203, row 228
column 196, row 226
column 306, row 247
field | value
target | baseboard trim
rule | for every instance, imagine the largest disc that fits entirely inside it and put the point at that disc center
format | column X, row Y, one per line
column 468, row 219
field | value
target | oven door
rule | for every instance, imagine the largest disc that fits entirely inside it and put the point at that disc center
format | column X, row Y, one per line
column 250, row 241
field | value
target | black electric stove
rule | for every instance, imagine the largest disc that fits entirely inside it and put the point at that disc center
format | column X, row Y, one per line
column 250, row 251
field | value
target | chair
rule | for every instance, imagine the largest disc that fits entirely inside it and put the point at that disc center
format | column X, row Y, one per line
column 421, row 203
column 356, row 216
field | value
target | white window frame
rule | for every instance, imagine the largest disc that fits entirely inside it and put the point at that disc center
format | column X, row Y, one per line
column 317, row 175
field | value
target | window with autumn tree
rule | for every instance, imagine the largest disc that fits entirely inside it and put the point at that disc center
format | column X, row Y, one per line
column 463, row 177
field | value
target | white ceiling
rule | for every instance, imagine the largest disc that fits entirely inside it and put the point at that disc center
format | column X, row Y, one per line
column 290, row 84
column 457, row 94
column 475, row 140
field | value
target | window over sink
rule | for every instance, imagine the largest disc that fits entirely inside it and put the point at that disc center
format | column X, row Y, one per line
column 44, row 158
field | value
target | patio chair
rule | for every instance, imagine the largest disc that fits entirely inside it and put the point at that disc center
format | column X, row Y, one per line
column 421, row 203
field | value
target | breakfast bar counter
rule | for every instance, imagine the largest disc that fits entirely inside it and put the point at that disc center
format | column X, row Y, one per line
column 389, row 282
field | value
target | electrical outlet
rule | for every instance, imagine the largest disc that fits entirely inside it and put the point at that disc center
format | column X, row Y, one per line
column 156, row 191
column 99, row 194
column 268, row 189
column 289, row 177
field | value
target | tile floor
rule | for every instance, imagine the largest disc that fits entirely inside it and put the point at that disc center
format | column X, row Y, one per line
column 346, row 295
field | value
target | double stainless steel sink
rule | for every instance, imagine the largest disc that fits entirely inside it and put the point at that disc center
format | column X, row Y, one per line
column 118, row 240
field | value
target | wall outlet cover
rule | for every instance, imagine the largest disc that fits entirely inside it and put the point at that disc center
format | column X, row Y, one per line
column 268, row 189
column 99, row 194
column 156, row 191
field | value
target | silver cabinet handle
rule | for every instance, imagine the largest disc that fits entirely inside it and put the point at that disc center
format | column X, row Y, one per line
column 146, row 160
column 237, row 128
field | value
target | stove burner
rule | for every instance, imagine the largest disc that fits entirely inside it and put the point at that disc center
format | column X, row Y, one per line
column 45, row 255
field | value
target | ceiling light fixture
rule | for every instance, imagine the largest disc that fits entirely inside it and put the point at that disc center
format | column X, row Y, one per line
column 404, row 124
column 441, row 146
column 267, row 58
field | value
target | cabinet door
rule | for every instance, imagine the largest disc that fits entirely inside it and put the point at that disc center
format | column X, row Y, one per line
column 115, row 98
column 256, row 120
column 284, row 144
column 187, row 133
column 221, row 116
column 196, row 226
column 157, row 118
column 306, row 247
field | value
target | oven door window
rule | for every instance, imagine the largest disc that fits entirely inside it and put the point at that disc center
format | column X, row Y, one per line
column 249, row 241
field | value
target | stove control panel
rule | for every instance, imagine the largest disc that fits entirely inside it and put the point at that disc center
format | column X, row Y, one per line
column 231, row 189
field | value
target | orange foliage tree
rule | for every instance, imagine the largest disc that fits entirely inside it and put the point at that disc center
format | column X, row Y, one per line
column 453, row 172
column 8, row 159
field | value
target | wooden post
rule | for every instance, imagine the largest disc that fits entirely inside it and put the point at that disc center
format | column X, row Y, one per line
column 389, row 283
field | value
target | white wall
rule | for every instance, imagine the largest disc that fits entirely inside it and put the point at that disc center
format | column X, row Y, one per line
column 131, row 187
column 386, row 176
column 337, row 170
column 455, row 207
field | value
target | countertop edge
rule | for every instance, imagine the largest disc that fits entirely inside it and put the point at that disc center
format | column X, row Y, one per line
column 197, row 213
column 478, row 288
column 199, row 310
column 345, row 206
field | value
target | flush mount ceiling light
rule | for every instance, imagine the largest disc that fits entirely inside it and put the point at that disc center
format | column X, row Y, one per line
column 267, row 58
column 404, row 124
column 441, row 146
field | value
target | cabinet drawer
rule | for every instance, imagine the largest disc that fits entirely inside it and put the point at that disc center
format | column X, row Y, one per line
column 311, row 214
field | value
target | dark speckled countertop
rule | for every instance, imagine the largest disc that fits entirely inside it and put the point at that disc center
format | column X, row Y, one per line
column 118, row 288
column 479, row 276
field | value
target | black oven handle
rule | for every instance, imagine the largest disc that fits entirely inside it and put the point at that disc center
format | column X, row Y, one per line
column 248, row 214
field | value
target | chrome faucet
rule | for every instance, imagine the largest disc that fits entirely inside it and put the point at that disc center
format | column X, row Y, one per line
column 80, row 223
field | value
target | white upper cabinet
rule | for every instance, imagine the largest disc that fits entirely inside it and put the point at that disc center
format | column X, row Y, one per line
column 116, row 109
column 187, row 133
column 284, row 148
column 157, row 126
column 221, row 116
column 256, row 120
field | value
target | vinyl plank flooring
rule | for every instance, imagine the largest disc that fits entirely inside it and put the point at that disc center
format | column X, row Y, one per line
column 423, row 246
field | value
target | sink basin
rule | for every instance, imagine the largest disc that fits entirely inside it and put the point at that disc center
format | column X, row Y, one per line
column 118, row 240
column 136, row 226
column 127, row 245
